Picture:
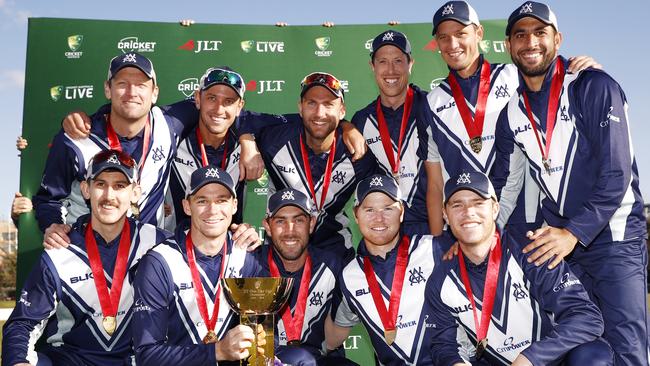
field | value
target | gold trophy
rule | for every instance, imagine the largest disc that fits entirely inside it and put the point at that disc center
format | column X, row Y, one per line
column 257, row 299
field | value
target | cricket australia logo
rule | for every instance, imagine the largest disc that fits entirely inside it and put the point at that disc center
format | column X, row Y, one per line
column 388, row 36
column 129, row 57
column 519, row 293
column 288, row 195
column 463, row 179
column 339, row 177
column 212, row 173
column 158, row 154
column 526, row 8
column 113, row 160
column 502, row 92
column 316, row 298
column 416, row 276
column 376, row 182
column 448, row 10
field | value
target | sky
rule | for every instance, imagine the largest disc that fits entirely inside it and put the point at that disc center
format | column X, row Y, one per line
column 613, row 33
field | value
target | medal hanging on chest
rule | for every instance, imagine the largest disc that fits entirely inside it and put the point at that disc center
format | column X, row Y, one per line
column 109, row 300
column 293, row 324
column 388, row 316
column 551, row 113
column 489, row 294
column 386, row 141
column 209, row 321
column 473, row 126
column 327, row 178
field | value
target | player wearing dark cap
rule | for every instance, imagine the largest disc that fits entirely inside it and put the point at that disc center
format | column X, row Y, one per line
column 395, row 128
column 572, row 132
column 514, row 312
column 79, row 300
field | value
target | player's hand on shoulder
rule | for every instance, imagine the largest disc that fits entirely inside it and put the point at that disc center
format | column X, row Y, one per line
column 353, row 140
column 579, row 63
column 549, row 242
column 56, row 236
column 251, row 165
column 245, row 236
column 76, row 125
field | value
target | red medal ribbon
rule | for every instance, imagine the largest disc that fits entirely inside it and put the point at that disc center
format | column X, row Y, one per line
column 204, row 156
column 328, row 172
column 114, row 140
column 210, row 322
column 293, row 325
column 489, row 288
column 388, row 316
column 551, row 111
column 473, row 126
column 385, row 135
column 109, row 300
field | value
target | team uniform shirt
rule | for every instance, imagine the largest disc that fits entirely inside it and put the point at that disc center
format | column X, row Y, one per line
column 167, row 314
column 60, row 305
column 449, row 140
column 538, row 312
column 412, row 176
column 593, row 186
column 323, row 296
column 188, row 159
column 59, row 199
column 410, row 346
column 281, row 151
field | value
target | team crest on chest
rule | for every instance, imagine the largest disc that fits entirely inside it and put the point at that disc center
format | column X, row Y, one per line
column 416, row 276
column 158, row 154
column 316, row 298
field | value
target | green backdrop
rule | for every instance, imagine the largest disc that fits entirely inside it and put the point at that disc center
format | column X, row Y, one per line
column 67, row 63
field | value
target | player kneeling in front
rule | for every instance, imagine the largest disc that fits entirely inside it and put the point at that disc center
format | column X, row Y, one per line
column 514, row 312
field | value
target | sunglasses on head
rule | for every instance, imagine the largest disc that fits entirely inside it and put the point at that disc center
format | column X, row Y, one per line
column 323, row 79
column 121, row 157
column 227, row 77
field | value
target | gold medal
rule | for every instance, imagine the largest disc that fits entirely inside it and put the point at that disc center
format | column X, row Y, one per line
column 109, row 323
column 480, row 347
column 389, row 336
column 135, row 210
column 211, row 337
column 476, row 144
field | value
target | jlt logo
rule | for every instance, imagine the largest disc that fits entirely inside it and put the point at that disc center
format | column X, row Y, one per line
column 352, row 342
column 200, row 46
column 265, row 86
column 71, row 92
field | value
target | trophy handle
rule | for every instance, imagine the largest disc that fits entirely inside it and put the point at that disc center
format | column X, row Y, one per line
column 267, row 321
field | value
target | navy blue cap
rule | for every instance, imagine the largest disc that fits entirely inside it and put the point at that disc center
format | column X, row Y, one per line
column 288, row 197
column 393, row 38
column 477, row 182
column 210, row 174
column 377, row 183
column 112, row 160
column 131, row 59
column 539, row 11
column 459, row 11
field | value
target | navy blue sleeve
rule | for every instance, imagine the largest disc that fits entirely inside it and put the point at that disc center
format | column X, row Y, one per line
column 182, row 116
column 577, row 320
column 509, row 168
column 254, row 122
column 441, row 326
column 36, row 305
column 61, row 170
column 153, row 288
column 602, row 102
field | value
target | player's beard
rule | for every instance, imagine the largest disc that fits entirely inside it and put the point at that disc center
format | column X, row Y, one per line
column 536, row 70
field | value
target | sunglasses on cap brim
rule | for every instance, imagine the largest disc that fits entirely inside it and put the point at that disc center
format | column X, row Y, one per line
column 323, row 79
column 230, row 78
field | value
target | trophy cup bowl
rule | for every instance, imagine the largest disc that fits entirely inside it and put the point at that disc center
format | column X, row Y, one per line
column 257, row 299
